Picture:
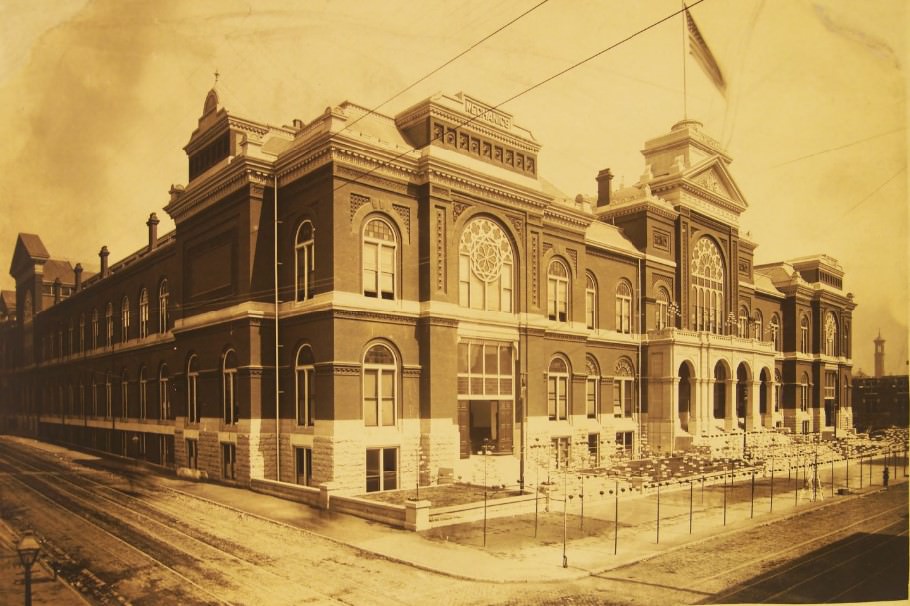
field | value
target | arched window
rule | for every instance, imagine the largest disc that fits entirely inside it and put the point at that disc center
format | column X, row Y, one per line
column 164, row 398
column 558, row 390
column 162, row 307
column 624, row 307
column 590, row 301
column 304, row 260
column 662, row 300
column 623, row 389
column 804, row 334
column 124, row 395
column 720, row 391
column 143, row 394
column 379, row 250
column 846, row 350
column 81, row 332
column 830, row 334
column 229, row 400
column 558, row 291
column 95, row 403
column 592, row 388
column 305, row 386
column 758, row 322
column 804, row 393
column 69, row 339
column 708, row 286
column 143, row 313
column 486, row 272
column 743, row 323
column 125, row 319
column 192, row 382
column 95, row 328
column 774, row 327
column 380, row 377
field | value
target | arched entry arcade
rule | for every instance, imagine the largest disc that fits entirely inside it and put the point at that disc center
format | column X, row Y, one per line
column 685, row 393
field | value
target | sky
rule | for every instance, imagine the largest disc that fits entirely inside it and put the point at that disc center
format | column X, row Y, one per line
column 98, row 98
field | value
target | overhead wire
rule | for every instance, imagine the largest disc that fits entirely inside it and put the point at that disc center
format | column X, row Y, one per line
column 525, row 91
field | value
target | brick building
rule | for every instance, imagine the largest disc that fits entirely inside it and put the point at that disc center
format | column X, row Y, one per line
column 434, row 298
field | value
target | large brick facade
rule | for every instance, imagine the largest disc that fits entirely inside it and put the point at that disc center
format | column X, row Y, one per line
column 434, row 298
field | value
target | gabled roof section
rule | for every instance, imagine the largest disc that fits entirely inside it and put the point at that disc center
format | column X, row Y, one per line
column 7, row 301
column 63, row 270
column 713, row 178
column 29, row 251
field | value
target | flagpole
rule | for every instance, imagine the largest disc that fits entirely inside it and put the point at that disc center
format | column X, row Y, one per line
column 684, row 40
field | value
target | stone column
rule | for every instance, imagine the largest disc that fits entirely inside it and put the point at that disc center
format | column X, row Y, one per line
column 753, row 418
column 730, row 405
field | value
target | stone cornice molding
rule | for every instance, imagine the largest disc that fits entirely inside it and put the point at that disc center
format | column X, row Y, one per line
column 622, row 210
column 202, row 194
column 481, row 188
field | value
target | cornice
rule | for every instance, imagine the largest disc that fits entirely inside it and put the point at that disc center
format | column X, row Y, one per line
column 472, row 123
column 243, row 171
column 483, row 189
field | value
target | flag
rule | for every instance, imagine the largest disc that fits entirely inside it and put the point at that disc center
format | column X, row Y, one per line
column 699, row 49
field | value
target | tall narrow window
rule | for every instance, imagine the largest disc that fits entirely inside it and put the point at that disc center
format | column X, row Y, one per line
column 69, row 340
column 557, row 390
column 95, row 328
column 192, row 381
column 592, row 388
column 125, row 319
column 804, row 393
column 228, row 461
column 778, row 385
column 162, row 307
column 558, row 291
column 95, row 402
column 830, row 335
column 379, row 260
column 662, row 301
column 108, row 398
column 774, row 327
column 229, row 393
column 758, row 322
column 303, row 466
column 624, row 307
column 192, row 454
column 743, row 323
column 305, row 388
column 590, row 301
column 143, row 394
column 81, row 332
column 304, row 260
column 124, row 395
column 379, row 380
column 804, row 334
column 109, row 324
column 143, row 313
column 485, row 267
column 164, row 398
column 623, row 389
column 707, row 286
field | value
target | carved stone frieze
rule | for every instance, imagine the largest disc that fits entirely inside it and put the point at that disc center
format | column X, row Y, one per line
column 405, row 213
column 357, row 200
column 458, row 208
column 440, row 249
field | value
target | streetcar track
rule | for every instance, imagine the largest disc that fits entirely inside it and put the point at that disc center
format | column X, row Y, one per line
column 5, row 450
column 123, row 541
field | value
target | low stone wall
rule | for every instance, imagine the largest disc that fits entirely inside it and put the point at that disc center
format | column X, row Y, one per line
column 386, row 513
column 472, row 512
column 292, row 492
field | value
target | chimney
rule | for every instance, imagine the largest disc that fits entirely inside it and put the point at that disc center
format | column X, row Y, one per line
column 153, row 231
column 604, row 178
column 77, row 273
column 57, row 291
column 103, row 254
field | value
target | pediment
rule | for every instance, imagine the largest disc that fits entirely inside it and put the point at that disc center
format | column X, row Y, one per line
column 713, row 180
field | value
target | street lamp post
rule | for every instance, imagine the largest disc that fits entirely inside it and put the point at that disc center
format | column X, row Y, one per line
column 28, row 548
column 536, row 448
column 486, row 451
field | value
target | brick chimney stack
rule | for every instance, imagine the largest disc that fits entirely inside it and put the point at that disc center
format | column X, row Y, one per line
column 604, row 178
column 77, row 277
column 103, row 253
column 153, row 231
column 57, row 287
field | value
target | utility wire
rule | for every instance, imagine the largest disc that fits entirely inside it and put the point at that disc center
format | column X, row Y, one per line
column 839, row 147
column 445, row 64
column 529, row 89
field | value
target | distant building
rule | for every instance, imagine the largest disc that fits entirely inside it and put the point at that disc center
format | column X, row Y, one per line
column 879, row 356
column 434, row 297
column 882, row 400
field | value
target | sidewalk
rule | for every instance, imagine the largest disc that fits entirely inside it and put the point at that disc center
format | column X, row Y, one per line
column 46, row 589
